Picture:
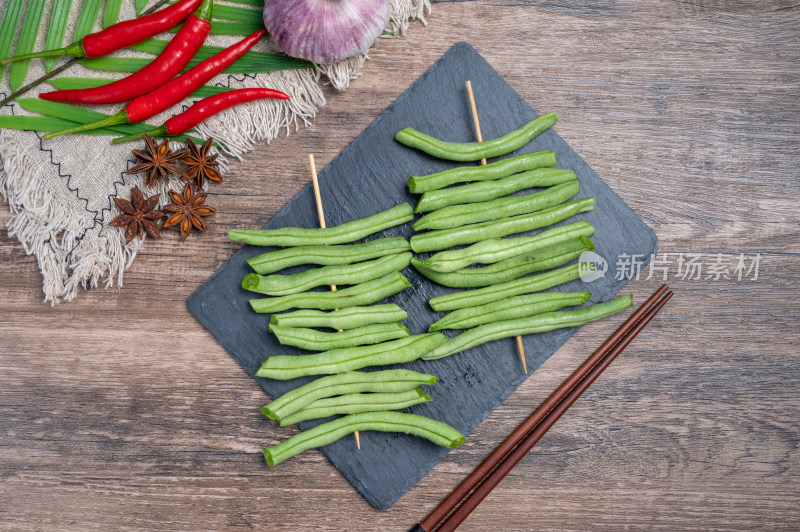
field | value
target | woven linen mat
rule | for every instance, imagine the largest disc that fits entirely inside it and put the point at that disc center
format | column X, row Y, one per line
column 60, row 190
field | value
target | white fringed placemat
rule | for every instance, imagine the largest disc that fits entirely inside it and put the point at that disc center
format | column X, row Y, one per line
column 60, row 190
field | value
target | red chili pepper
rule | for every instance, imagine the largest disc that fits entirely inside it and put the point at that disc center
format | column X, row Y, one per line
column 176, row 55
column 173, row 91
column 120, row 35
column 204, row 109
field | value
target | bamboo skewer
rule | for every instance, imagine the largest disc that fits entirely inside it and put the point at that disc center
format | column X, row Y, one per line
column 520, row 347
column 321, row 216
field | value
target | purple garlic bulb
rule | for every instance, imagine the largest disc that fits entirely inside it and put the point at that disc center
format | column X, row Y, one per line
column 325, row 31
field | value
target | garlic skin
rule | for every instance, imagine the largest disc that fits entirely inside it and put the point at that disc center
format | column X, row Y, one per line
column 325, row 31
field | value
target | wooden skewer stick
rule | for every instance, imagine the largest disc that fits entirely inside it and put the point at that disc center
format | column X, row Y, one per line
column 321, row 216
column 520, row 347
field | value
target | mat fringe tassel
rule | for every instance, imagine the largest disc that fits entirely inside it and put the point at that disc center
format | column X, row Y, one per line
column 72, row 256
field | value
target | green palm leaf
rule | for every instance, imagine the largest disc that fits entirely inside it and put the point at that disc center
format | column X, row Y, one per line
column 262, row 63
column 227, row 27
column 8, row 28
column 78, row 115
column 87, row 18
column 88, row 83
column 259, row 3
column 140, row 5
column 111, row 14
column 73, row 113
column 55, row 33
column 46, row 124
column 27, row 38
column 240, row 14
column 156, row 46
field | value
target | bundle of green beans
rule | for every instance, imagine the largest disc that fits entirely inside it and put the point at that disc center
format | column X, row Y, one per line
column 530, row 325
column 326, row 433
column 364, row 336
column 470, row 234
column 408, row 349
column 366, row 399
column 348, row 383
column 509, row 269
column 478, row 215
column 361, row 272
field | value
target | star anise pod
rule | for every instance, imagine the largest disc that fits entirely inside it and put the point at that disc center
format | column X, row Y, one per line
column 188, row 210
column 158, row 160
column 200, row 165
column 138, row 215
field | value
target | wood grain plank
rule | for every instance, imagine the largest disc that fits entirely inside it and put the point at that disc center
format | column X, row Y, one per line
column 118, row 411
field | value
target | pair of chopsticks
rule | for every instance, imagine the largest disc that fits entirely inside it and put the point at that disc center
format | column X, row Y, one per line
column 480, row 483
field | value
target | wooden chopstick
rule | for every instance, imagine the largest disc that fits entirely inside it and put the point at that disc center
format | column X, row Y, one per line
column 486, row 476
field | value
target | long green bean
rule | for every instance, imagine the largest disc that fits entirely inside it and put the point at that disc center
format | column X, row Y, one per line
column 509, row 269
column 493, row 250
column 495, row 170
column 475, row 151
column 489, row 190
column 531, row 325
column 284, row 367
column 360, row 294
column 357, row 403
column 510, row 309
column 469, row 234
column 458, row 215
column 326, row 433
column 344, row 274
column 340, row 234
column 346, row 318
column 314, row 340
column 387, row 380
column 525, row 285
column 273, row 261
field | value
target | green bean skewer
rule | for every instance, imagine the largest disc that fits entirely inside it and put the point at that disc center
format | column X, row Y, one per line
column 326, row 433
column 343, row 319
column 531, row 325
column 472, row 213
column 470, row 234
column 525, row 285
column 475, row 151
column 341, row 234
column 356, row 404
column 314, row 340
column 348, row 274
column 360, row 294
column 273, row 261
column 385, row 381
column 509, row 309
column 284, row 367
column 494, row 250
column 485, row 191
column 509, row 269
column 496, row 170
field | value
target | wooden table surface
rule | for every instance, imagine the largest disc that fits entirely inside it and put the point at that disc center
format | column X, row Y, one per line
column 119, row 411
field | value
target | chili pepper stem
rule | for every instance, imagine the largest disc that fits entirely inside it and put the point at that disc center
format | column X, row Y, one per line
column 74, row 50
column 113, row 120
column 155, row 132
column 205, row 10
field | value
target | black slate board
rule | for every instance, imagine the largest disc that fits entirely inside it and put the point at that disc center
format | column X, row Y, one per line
column 370, row 176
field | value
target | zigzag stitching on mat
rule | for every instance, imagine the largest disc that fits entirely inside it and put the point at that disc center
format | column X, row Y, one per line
column 68, row 177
